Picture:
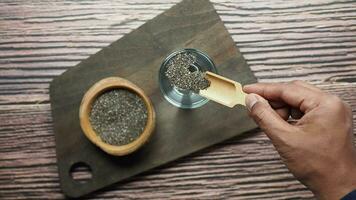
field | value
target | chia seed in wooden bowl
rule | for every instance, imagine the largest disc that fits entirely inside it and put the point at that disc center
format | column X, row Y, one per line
column 117, row 116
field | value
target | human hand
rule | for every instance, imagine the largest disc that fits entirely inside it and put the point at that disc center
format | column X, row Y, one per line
column 317, row 148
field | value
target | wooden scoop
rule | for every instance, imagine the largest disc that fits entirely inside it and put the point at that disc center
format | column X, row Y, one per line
column 224, row 91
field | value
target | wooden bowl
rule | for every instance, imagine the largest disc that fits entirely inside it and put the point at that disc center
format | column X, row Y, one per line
column 85, row 109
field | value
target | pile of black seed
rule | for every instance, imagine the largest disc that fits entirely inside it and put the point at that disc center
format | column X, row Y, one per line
column 118, row 116
column 180, row 75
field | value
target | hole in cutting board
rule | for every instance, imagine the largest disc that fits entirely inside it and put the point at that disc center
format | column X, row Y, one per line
column 81, row 172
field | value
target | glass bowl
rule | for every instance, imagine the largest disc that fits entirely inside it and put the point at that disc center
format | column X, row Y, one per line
column 179, row 97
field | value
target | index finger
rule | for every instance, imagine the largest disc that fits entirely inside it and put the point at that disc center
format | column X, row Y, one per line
column 292, row 94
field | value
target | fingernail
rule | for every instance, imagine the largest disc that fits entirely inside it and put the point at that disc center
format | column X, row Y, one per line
column 246, row 86
column 251, row 100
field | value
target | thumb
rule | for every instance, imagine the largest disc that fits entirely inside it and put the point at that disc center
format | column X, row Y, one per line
column 267, row 118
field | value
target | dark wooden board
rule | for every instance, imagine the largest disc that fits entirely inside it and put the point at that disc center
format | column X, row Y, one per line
column 137, row 56
column 281, row 41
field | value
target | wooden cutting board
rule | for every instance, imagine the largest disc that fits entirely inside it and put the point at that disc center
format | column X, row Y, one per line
column 137, row 57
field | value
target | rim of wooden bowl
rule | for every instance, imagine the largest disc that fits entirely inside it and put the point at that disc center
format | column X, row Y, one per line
column 85, row 108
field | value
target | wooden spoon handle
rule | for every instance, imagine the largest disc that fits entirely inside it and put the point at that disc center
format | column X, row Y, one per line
column 224, row 91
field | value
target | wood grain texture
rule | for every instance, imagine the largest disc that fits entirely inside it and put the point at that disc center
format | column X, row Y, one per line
column 281, row 40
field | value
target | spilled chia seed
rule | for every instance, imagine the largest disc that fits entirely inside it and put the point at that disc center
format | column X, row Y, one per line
column 118, row 116
column 181, row 75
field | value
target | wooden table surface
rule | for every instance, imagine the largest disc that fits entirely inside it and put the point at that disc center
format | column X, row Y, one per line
column 282, row 40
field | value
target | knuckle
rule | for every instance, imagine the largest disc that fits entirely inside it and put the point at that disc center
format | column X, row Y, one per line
column 348, row 107
column 310, row 104
column 336, row 104
column 259, row 112
column 335, row 101
column 291, row 86
column 297, row 82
